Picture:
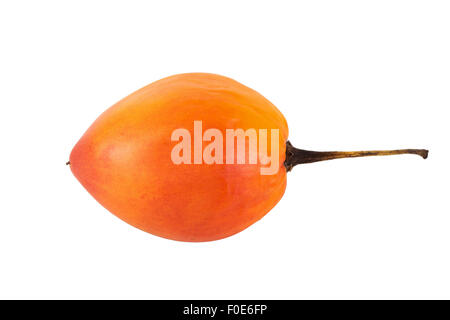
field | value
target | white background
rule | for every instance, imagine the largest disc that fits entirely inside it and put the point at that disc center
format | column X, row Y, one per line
column 346, row 74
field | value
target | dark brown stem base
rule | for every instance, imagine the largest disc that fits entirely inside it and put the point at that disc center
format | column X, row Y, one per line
column 296, row 156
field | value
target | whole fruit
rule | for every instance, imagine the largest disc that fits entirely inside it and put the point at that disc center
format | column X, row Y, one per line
column 137, row 161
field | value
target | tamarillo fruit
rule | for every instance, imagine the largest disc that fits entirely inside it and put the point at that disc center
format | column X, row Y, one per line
column 177, row 157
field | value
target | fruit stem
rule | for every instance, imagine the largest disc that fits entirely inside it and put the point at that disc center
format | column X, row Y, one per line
column 296, row 156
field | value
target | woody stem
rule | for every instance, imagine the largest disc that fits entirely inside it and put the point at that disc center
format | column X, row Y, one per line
column 296, row 156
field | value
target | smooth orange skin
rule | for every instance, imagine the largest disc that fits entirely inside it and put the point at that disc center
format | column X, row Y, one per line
column 124, row 159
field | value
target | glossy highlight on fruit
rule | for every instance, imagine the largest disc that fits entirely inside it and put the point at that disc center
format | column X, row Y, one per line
column 124, row 159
